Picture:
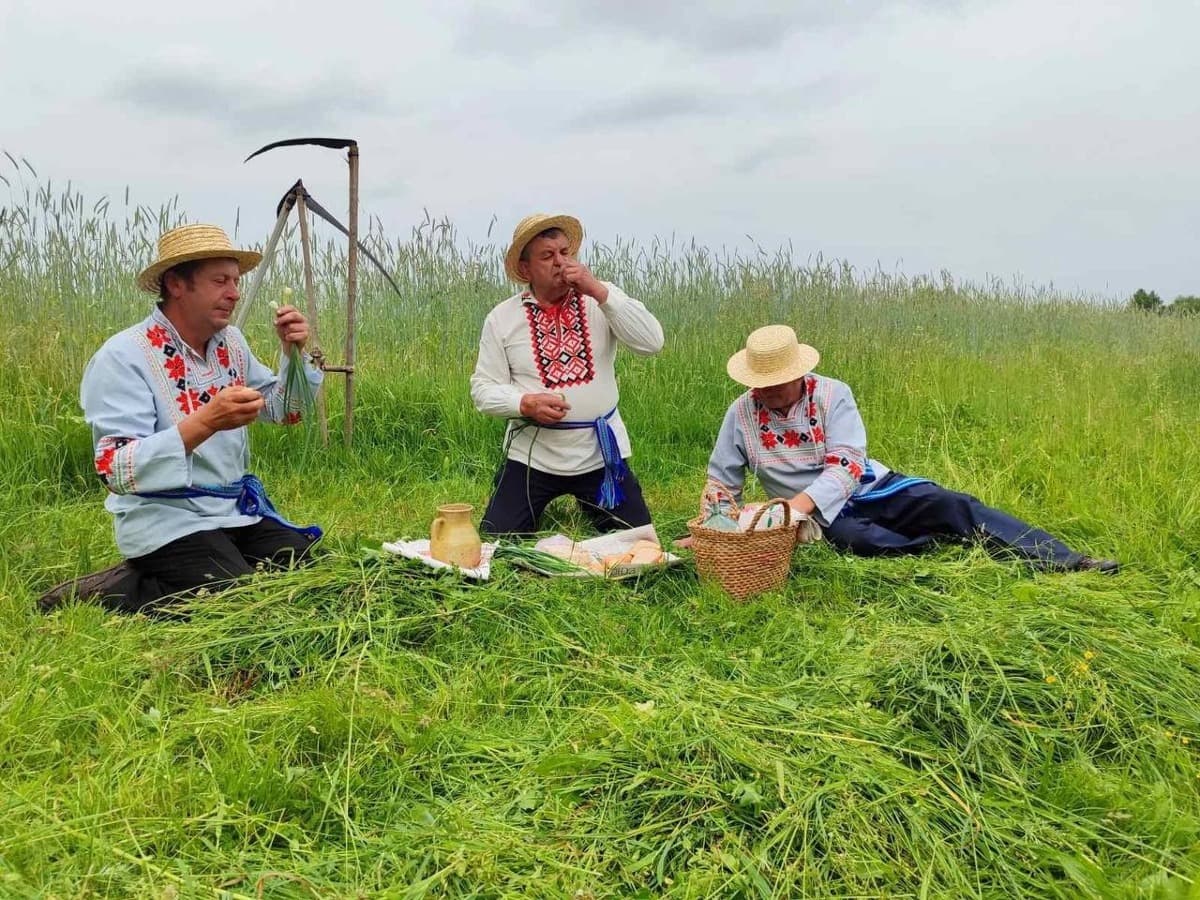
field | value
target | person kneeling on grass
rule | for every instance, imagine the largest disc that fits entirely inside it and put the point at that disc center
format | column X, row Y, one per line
column 168, row 402
column 546, row 356
column 802, row 435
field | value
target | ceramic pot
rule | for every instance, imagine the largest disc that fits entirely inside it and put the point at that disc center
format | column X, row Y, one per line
column 453, row 538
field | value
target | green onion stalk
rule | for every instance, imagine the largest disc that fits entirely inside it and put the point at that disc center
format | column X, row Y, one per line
column 538, row 560
column 299, row 398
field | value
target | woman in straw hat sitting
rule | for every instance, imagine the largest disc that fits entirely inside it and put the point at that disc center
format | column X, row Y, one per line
column 802, row 435
column 168, row 401
column 546, row 363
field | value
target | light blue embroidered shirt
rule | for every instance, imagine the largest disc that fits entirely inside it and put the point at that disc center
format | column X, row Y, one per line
column 136, row 390
column 819, row 447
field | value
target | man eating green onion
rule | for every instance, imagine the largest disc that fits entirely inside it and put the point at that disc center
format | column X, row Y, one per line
column 168, row 401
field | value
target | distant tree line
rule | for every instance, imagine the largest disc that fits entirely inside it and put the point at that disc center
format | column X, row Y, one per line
column 1148, row 301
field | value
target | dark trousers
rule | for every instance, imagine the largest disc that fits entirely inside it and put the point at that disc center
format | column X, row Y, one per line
column 918, row 516
column 206, row 559
column 522, row 495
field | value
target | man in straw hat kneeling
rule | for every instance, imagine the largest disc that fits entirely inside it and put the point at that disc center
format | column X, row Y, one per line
column 168, row 402
column 546, row 363
column 802, row 435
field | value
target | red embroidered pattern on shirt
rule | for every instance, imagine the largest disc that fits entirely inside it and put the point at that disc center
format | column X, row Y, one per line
column 113, row 454
column 791, row 437
column 846, row 463
column 561, row 343
column 158, row 335
column 189, row 399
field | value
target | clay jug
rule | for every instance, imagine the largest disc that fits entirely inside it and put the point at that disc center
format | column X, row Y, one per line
column 453, row 538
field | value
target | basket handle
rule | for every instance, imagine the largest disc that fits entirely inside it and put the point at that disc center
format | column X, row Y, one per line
column 787, row 513
column 712, row 487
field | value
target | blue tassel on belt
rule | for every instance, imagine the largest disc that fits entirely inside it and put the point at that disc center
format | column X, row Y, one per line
column 610, row 495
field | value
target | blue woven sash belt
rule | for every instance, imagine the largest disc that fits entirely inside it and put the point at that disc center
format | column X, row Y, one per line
column 251, row 497
column 610, row 495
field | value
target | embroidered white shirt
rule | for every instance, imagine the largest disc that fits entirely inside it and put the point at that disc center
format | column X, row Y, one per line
column 570, row 349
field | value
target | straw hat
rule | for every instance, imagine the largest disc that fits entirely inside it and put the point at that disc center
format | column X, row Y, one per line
column 191, row 242
column 531, row 226
column 772, row 356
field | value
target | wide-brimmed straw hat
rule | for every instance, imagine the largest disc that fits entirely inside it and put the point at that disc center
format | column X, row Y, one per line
column 772, row 356
column 529, row 228
column 192, row 242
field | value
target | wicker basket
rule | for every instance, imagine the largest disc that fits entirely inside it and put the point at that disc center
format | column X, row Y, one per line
column 748, row 562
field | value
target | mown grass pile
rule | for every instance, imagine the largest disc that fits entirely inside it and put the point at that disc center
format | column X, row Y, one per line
column 945, row 725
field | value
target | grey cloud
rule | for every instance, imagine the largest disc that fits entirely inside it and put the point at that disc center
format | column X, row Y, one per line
column 653, row 106
column 247, row 106
column 668, row 103
column 709, row 26
column 489, row 30
column 517, row 34
column 768, row 152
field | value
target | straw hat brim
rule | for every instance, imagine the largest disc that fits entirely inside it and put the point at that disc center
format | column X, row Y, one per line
column 801, row 363
column 149, row 278
column 534, row 226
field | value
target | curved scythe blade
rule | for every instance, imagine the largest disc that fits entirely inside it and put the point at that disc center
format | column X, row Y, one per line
column 328, row 217
column 331, row 143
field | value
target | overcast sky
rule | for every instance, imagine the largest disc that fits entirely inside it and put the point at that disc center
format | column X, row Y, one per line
column 1024, row 139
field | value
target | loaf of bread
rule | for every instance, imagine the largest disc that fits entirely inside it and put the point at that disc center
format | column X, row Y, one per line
column 572, row 553
column 646, row 553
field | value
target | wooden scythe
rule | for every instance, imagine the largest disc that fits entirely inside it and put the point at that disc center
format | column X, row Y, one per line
column 299, row 198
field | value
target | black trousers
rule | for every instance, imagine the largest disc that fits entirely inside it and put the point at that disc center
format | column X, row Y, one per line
column 918, row 516
column 206, row 559
column 523, row 493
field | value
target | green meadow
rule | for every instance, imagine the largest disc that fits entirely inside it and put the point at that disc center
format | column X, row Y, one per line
column 948, row 725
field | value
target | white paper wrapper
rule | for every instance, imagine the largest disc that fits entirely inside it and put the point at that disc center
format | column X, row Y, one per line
column 419, row 550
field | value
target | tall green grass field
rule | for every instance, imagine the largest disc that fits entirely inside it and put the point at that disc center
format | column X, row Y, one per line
column 946, row 725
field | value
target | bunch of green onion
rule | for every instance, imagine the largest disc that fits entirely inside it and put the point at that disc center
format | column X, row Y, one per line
column 299, row 397
column 538, row 560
